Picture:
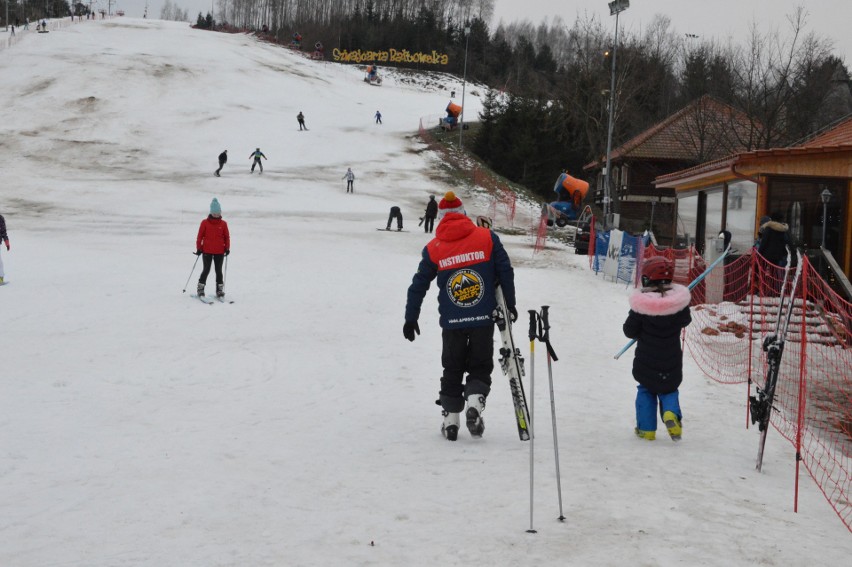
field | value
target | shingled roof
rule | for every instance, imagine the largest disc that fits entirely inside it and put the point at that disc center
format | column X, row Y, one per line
column 837, row 135
column 679, row 137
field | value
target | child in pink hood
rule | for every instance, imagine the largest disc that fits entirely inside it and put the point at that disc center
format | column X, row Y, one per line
column 658, row 313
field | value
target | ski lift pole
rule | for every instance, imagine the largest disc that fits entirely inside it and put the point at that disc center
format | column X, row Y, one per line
column 544, row 336
column 532, row 335
column 691, row 285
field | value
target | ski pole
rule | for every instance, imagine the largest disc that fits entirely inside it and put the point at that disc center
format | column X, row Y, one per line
column 551, row 355
column 532, row 335
column 225, row 275
column 691, row 285
column 190, row 273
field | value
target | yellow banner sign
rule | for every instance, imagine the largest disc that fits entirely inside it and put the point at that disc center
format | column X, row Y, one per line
column 391, row 55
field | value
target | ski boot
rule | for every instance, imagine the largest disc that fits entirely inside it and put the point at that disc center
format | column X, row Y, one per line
column 450, row 427
column 220, row 290
column 475, row 407
column 200, row 289
column 673, row 425
column 649, row 435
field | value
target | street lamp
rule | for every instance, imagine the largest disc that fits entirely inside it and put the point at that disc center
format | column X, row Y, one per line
column 464, row 84
column 615, row 8
column 825, row 197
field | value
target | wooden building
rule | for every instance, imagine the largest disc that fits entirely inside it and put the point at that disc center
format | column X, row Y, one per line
column 808, row 184
column 704, row 130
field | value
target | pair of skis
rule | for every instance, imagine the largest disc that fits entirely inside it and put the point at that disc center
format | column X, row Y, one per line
column 209, row 301
column 512, row 363
column 760, row 404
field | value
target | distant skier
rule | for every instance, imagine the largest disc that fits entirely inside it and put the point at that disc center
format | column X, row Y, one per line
column 256, row 155
column 378, row 117
column 297, row 40
column 658, row 312
column 430, row 214
column 350, row 180
column 5, row 238
column 395, row 213
column 223, row 159
column 469, row 262
column 301, row 118
column 214, row 242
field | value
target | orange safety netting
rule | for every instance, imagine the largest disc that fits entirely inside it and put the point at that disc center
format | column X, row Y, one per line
column 734, row 309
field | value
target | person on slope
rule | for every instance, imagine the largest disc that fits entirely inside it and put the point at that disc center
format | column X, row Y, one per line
column 395, row 213
column 5, row 239
column 256, row 155
column 214, row 243
column 659, row 311
column 223, row 159
column 430, row 214
column 301, row 119
column 350, row 180
column 468, row 262
column 378, row 117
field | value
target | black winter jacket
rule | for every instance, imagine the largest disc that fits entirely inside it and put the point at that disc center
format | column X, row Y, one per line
column 432, row 208
column 773, row 242
column 656, row 321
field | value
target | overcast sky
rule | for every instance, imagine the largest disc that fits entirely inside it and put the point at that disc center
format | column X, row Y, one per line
column 706, row 18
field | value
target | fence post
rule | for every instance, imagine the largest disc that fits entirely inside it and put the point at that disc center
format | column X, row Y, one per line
column 803, row 356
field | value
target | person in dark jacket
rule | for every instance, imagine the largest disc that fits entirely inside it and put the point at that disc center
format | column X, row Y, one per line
column 301, row 119
column 430, row 214
column 223, row 159
column 214, row 242
column 395, row 213
column 5, row 239
column 774, row 239
column 468, row 262
column 658, row 313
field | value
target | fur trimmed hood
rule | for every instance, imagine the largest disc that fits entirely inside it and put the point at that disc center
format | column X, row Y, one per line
column 775, row 225
column 649, row 302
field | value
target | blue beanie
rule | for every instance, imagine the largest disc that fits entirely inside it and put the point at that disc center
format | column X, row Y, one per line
column 215, row 208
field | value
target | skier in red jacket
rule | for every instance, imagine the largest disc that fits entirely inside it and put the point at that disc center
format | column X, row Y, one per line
column 214, row 242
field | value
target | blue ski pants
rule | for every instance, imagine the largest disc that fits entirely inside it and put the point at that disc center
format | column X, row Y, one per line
column 646, row 407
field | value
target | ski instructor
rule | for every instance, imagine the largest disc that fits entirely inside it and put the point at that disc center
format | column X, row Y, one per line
column 469, row 262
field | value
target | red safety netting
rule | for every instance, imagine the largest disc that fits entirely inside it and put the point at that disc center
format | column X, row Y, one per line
column 734, row 309
column 541, row 233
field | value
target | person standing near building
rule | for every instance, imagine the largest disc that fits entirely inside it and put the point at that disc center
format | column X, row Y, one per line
column 468, row 262
column 430, row 214
column 659, row 311
column 350, row 180
column 223, row 159
column 301, row 119
column 378, row 117
column 4, row 238
column 774, row 239
column 213, row 243
column 256, row 155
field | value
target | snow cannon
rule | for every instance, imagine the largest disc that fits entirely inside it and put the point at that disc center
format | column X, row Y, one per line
column 452, row 118
column 570, row 189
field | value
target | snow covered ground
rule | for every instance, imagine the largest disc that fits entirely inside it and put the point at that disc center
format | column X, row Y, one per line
column 297, row 426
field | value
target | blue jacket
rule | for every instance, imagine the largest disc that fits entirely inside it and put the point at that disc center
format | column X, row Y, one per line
column 468, row 262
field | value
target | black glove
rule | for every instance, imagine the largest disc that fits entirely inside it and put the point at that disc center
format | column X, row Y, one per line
column 227, row 251
column 198, row 252
column 409, row 329
column 513, row 314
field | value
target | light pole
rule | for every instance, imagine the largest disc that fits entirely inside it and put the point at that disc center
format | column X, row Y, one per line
column 464, row 84
column 615, row 8
column 825, row 197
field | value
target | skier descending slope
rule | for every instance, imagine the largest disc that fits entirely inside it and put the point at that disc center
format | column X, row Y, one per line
column 468, row 261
